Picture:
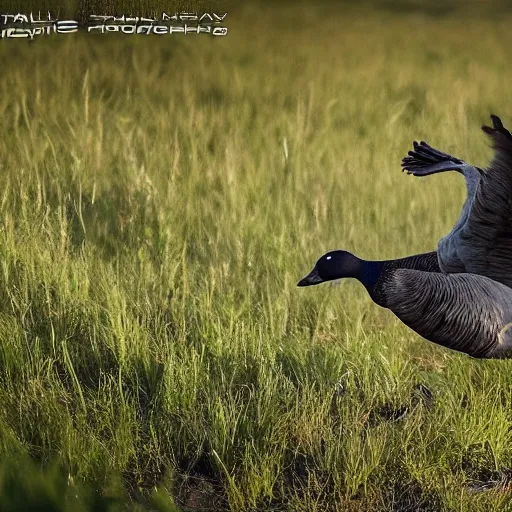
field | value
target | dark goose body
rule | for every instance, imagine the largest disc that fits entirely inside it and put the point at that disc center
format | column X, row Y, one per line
column 464, row 312
column 481, row 240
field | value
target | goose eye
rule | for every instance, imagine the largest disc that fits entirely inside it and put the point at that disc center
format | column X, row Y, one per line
column 328, row 257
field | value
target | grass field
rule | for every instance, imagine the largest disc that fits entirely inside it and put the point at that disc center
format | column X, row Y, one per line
column 160, row 199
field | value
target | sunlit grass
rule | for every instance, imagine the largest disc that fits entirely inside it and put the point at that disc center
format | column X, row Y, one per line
column 161, row 198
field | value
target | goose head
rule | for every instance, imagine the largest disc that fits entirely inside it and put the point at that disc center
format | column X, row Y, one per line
column 333, row 265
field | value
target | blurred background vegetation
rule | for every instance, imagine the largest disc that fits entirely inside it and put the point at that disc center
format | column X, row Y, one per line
column 161, row 197
column 79, row 9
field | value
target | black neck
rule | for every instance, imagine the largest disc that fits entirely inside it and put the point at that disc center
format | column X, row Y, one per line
column 369, row 273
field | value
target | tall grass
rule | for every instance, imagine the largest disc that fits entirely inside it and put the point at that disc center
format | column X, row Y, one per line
column 160, row 199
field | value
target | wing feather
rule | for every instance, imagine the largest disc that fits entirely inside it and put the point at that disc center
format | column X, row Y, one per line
column 486, row 237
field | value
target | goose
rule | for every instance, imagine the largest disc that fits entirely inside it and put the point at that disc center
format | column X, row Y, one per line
column 468, row 313
column 481, row 240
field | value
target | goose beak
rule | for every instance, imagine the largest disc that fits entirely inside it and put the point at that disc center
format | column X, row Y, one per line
column 312, row 278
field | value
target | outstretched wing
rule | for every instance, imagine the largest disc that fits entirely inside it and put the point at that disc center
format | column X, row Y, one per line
column 486, row 237
column 425, row 160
